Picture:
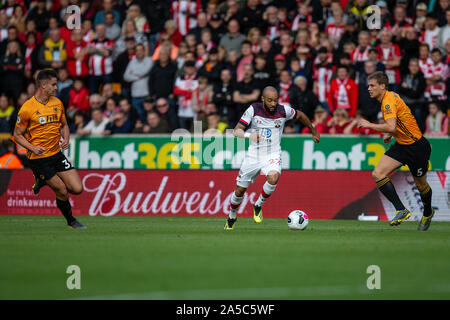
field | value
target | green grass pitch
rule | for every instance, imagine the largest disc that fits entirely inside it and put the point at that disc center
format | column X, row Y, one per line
column 194, row 258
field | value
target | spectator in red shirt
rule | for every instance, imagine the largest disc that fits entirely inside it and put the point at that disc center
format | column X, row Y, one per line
column 77, row 57
column 343, row 92
column 78, row 98
column 320, row 121
column 339, row 122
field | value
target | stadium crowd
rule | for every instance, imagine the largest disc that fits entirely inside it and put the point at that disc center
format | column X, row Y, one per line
column 155, row 66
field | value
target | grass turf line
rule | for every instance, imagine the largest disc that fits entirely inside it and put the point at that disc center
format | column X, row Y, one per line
column 194, row 258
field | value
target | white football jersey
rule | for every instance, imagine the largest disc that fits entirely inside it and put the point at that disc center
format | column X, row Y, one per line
column 269, row 126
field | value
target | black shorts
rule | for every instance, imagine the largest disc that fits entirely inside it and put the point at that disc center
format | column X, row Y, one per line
column 46, row 168
column 415, row 155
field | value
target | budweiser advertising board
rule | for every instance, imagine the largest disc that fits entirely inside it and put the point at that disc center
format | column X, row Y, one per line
column 200, row 193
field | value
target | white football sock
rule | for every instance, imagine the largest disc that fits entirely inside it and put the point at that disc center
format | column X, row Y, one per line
column 267, row 190
column 234, row 205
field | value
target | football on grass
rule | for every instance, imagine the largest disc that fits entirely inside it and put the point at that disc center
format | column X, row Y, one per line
column 297, row 220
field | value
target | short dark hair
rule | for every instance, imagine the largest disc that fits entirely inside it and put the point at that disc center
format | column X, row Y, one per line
column 436, row 50
column 380, row 77
column 45, row 75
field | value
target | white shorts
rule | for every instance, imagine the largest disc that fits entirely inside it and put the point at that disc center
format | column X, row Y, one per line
column 253, row 165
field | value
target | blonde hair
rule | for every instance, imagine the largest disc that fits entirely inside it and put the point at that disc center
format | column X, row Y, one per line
column 19, row 54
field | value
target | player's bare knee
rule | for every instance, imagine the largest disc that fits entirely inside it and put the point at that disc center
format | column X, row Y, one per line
column 240, row 191
column 273, row 178
column 377, row 176
column 76, row 189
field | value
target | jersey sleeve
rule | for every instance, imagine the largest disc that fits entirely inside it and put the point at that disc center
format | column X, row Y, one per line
column 23, row 117
column 247, row 117
column 389, row 109
column 291, row 113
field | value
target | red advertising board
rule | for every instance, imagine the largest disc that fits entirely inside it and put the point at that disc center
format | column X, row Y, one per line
column 322, row 194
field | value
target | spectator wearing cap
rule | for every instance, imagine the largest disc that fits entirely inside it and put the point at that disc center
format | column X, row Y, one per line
column 430, row 34
column 367, row 105
column 233, row 39
column 280, row 64
column 137, row 73
column 412, row 88
column 162, row 76
column 184, row 87
column 167, row 112
column 384, row 11
column 322, row 71
column 343, row 93
column 421, row 16
column 217, row 27
column 212, row 68
column 245, row 91
column 390, row 55
column 444, row 32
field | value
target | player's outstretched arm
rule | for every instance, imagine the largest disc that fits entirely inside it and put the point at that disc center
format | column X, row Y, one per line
column 239, row 132
column 305, row 120
column 389, row 126
column 20, row 139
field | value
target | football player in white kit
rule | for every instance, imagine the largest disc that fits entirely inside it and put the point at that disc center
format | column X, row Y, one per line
column 265, row 121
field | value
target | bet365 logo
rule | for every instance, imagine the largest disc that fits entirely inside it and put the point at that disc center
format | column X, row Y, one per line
column 374, row 18
column 74, row 19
